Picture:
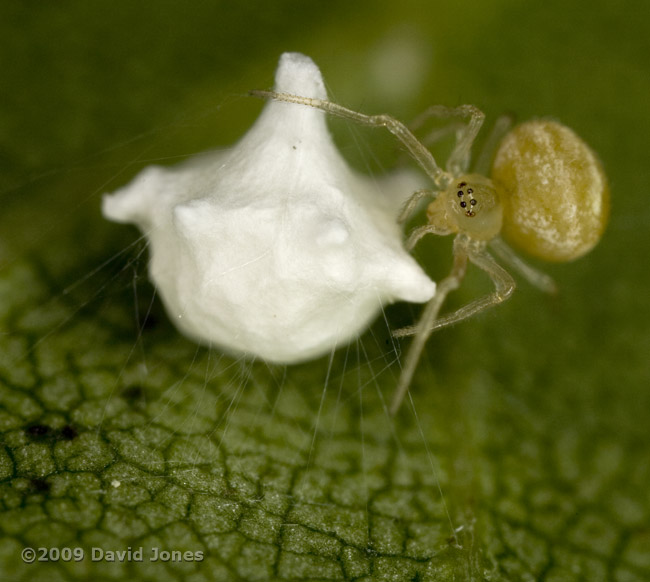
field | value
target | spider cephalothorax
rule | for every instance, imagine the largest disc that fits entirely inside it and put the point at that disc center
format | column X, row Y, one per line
column 470, row 205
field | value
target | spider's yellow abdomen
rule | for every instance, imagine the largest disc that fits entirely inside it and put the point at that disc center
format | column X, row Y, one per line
column 556, row 197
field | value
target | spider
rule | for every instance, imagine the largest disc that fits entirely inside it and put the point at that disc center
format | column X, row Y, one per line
column 546, row 192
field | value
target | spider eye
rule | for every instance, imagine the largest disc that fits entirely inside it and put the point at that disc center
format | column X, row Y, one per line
column 477, row 211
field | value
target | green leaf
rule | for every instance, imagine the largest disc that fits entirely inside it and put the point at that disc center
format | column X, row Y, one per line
column 524, row 452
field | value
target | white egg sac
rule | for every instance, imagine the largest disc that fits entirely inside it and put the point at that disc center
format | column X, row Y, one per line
column 274, row 248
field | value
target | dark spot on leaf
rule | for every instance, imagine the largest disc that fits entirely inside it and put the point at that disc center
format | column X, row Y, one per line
column 38, row 431
column 38, row 485
column 68, row 432
column 134, row 392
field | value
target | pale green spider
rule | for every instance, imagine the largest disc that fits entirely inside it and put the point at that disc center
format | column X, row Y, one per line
column 547, row 192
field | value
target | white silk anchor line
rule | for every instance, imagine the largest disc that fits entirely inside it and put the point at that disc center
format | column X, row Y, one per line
column 275, row 248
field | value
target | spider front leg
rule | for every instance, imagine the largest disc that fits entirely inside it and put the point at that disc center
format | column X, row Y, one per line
column 464, row 249
column 425, row 326
column 421, row 231
column 419, row 153
column 413, row 201
column 504, row 286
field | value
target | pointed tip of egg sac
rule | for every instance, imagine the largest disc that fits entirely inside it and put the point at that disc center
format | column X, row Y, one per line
column 299, row 75
column 408, row 282
column 132, row 203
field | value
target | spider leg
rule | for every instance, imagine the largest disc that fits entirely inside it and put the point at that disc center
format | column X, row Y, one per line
column 504, row 286
column 429, row 322
column 424, row 327
column 420, row 154
column 540, row 280
column 458, row 160
column 439, row 133
column 421, row 231
column 413, row 201
column 483, row 161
